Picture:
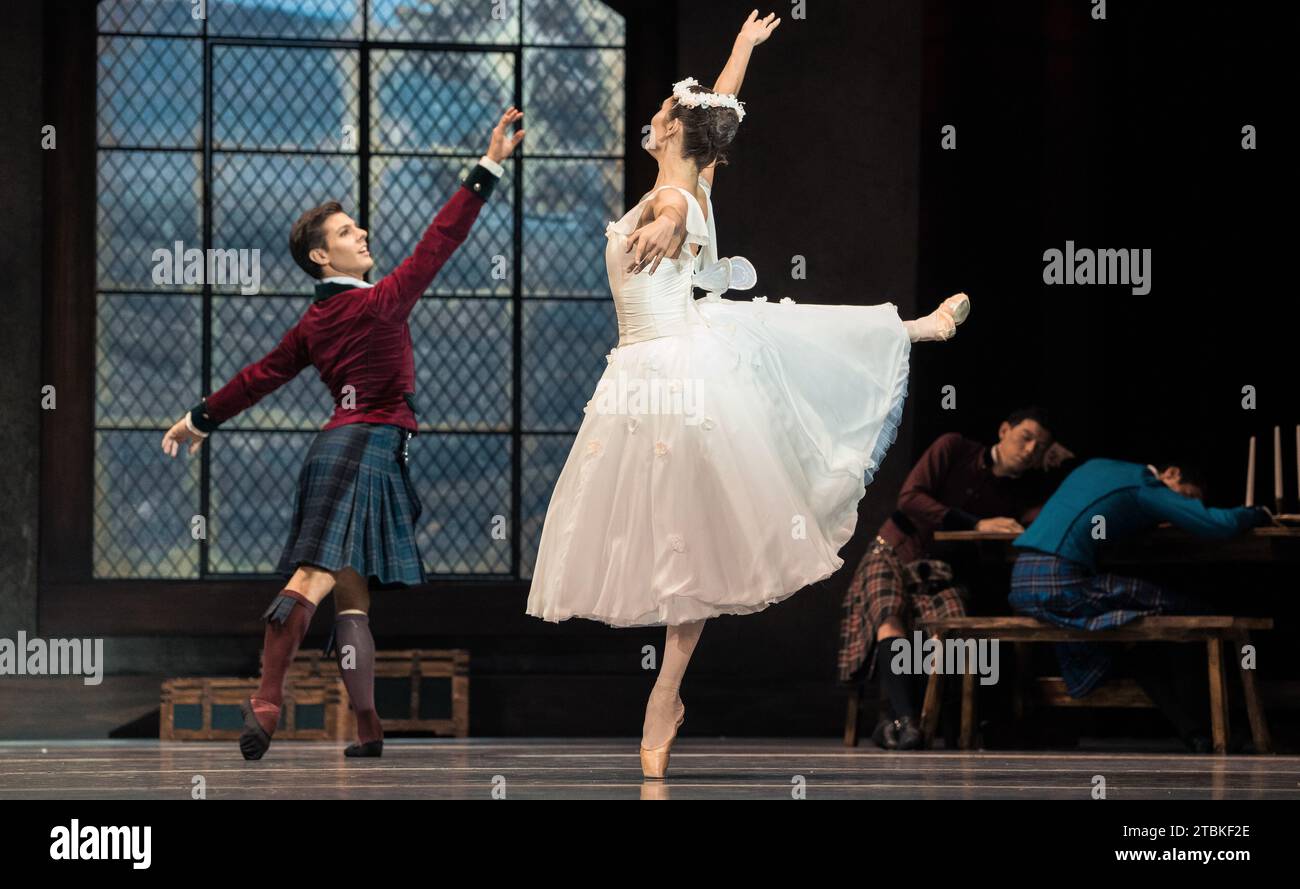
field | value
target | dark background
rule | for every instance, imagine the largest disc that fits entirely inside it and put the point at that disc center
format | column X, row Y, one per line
column 1122, row 133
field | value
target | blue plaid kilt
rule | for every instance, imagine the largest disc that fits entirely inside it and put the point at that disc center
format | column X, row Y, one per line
column 1067, row 594
column 356, row 506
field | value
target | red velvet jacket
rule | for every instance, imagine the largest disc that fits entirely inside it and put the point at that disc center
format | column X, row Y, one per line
column 358, row 337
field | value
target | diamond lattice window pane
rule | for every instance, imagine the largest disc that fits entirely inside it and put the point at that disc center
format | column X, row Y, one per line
column 464, row 363
column 438, row 21
column 438, row 102
column 253, row 482
column 567, row 206
column 332, row 19
column 148, row 16
column 150, row 92
column 134, row 222
column 543, row 457
column 258, row 197
column 574, row 99
column 573, row 21
column 429, row 113
column 148, row 363
column 144, row 505
column 565, row 344
column 406, row 194
column 254, row 92
column 244, row 329
column 463, row 481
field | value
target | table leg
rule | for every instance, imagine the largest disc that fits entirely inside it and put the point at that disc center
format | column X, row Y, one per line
column 851, row 718
column 1218, row 695
column 968, row 710
column 933, row 700
column 1254, row 706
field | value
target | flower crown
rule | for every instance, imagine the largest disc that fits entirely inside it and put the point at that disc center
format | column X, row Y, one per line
column 682, row 92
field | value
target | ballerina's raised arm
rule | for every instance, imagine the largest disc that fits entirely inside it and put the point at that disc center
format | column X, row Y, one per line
column 752, row 33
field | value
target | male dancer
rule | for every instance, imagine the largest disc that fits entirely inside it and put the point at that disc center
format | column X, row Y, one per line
column 356, row 334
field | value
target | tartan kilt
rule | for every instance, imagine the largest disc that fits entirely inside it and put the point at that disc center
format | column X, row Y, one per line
column 356, row 506
column 885, row 587
column 1067, row 594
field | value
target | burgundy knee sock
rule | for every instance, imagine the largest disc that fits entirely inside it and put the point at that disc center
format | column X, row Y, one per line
column 357, row 667
column 286, row 625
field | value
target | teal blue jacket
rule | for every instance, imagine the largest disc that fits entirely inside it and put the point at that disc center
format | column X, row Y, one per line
column 1132, row 500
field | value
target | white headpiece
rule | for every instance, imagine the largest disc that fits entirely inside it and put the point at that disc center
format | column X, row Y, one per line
column 684, row 96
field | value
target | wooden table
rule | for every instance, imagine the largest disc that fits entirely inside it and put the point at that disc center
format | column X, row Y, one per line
column 1267, row 544
column 1168, row 545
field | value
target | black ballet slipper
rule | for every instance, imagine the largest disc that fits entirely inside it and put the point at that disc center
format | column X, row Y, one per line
column 885, row 734
column 253, row 741
column 370, row 748
column 909, row 733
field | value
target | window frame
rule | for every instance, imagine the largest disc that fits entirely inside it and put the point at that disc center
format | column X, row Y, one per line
column 364, row 156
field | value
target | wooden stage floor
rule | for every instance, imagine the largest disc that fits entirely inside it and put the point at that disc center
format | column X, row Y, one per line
column 608, row 769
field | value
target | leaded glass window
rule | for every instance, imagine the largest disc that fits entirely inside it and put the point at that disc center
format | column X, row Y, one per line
column 216, row 132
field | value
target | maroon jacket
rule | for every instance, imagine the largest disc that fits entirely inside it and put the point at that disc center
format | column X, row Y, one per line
column 356, row 336
column 951, row 488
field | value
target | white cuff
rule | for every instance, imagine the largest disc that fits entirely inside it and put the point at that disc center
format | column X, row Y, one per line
column 190, row 426
column 491, row 166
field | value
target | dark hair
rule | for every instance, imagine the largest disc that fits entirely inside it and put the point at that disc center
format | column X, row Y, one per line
column 1031, row 412
column 707, row 133
column 1190, row 470
column 308, row 233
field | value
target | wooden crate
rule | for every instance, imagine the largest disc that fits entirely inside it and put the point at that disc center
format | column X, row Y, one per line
column 207, row 709
column 417, row 690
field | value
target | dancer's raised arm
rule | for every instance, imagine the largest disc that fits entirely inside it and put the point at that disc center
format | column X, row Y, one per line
column 752, row 33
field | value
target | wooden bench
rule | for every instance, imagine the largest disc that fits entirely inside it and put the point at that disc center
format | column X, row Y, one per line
column 1214, row 631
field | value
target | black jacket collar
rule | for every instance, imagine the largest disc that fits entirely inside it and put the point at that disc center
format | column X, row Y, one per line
column 324, row 290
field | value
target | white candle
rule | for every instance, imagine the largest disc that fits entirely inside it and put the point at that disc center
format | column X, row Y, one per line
column 1250, row 474
column 1277, row 464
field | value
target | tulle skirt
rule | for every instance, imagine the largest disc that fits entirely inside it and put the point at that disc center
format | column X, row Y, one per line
column 718, row 470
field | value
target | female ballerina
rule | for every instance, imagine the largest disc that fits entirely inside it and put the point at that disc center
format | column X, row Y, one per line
column 719, row 465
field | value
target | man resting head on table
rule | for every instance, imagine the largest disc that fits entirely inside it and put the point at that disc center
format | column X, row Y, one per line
column 1055, row 577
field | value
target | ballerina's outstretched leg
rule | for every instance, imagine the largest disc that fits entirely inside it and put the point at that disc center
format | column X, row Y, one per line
column 941, row 324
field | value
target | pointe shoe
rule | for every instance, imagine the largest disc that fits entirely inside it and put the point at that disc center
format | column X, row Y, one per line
column 654, row 760
column 954, row 310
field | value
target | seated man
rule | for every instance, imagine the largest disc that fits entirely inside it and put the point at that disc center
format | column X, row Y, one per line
column 1055, row 577
column 958, row 484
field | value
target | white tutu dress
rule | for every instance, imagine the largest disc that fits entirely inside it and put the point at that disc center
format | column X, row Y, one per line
column 719, row 464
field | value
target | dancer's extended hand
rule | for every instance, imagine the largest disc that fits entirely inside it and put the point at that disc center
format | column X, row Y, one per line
column 651, row 243
column 756, row 30
column 179, row 435
column 503, row 141
column 1055, row 455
